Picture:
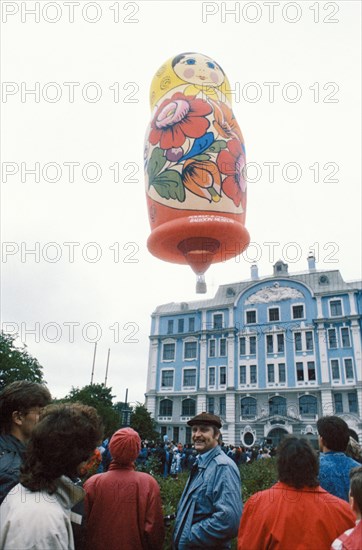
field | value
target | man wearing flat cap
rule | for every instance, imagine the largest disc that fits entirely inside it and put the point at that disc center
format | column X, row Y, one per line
column 209, row 511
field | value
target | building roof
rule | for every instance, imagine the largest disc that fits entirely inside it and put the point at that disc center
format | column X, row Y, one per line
column 320, row 282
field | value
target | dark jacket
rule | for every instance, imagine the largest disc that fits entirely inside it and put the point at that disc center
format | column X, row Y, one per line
column 11, row 456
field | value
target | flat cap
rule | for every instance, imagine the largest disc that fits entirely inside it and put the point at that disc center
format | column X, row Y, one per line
column 207, row 419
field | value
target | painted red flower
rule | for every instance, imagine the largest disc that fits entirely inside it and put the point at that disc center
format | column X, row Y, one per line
column 231, row 163
column 177, row 118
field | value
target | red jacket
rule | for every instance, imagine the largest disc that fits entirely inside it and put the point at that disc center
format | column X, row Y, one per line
column 123, row 510
column 285, row 518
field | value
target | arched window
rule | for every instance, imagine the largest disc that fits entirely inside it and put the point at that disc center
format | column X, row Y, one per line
column 248, row 407
column 278, row 405
column 308, row 405
column 166, row 407
column 188, row 407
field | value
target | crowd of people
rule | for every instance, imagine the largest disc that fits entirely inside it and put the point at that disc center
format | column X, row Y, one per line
column 45, row 448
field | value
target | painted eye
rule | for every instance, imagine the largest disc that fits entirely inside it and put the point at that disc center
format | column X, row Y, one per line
column 190, row 61
column 210, row 65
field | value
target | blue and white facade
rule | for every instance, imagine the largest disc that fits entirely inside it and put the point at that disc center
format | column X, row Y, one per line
column 269, row 355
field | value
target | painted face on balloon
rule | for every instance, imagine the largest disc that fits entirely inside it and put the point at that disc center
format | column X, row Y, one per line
column 198, row 69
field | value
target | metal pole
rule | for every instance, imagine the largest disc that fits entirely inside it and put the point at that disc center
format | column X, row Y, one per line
column 94, row 360
column 105, row 380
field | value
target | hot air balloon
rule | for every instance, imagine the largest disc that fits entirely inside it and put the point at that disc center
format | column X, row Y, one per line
column 194, row 161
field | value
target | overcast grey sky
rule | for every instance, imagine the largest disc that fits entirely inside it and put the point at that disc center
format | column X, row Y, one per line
column 75, row 107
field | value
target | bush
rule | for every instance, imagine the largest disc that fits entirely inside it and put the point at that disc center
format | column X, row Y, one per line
column 255, row 476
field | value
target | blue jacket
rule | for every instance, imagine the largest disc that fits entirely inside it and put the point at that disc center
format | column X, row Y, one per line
column 209, row 510
column 334, row 468
column 11, row 456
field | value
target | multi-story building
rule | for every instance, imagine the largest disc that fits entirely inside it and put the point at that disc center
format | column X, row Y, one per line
column 269, row 355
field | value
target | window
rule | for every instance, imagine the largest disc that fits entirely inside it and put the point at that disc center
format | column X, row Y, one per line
column 251, row 316
column 176, row 434
column 180, row 325
column 217, row 321
column 336, row 308
column 298, row 312
column 309, row 340
column 300, row 371
column 308, row 405
column 335, row 369
column 352, row 403
column 253, row 374
column 242, row 377
column 248, row 407
column 332, row 338
column 211, row 376
column 273, row 313
column 298, row 341
column 280, row 342
column 348, row 368
column 170, row 327
column 311, row 370
column 222, row 347
column 212, row 348
column 188, row 407
column 338, row 403
column 271, row 376
column 190, row 350
column 167, row 379
column 242, row 347
column 168, row 352
column 281, row 368
column 189, row 378
column 211, row 405
column 222, row 376
column 166, row 407
column 346, row 341
column 192, row 324
column 252, row 345
column 277, row 405
column 222, row 405
column 269, row 343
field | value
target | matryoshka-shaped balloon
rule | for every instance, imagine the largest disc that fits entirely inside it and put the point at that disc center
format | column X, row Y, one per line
column 194, row 160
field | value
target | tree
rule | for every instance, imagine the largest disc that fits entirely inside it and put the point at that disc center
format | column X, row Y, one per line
column 143, row 423
column 100, row 397
column 16, row 363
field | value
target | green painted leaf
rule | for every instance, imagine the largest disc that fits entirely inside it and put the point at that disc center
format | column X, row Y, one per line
column 169, row 185
column 156, row 163
column 217, row 146
column 201, row 157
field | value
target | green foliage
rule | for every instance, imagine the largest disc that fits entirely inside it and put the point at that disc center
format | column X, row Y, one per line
column 99, row 397
column 257, row 476
column 143, row 423
column 16, row 363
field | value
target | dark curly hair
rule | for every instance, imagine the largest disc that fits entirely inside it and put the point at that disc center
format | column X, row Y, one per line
column 66, row 435
column 21, row 396
column 334, row 432
column 297, row 463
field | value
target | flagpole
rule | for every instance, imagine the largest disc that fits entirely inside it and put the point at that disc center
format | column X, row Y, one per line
column 105, row 380
column 94, row 360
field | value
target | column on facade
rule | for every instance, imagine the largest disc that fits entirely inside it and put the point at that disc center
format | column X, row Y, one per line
column 327, row 404
column 230, row 417
column 201, row 403
column 359, row 401
column 352, row 303
column 323, row 356
column 319, row 307
column 151, row 405
column 356, row 339
column 203, row 363
column 231, row 360
column 152, row 366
